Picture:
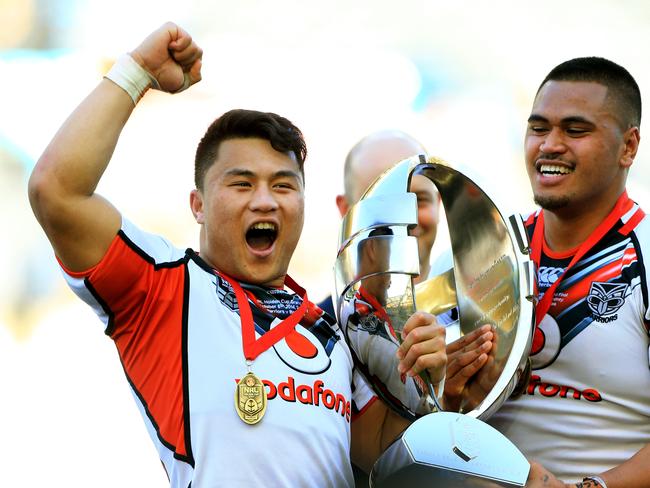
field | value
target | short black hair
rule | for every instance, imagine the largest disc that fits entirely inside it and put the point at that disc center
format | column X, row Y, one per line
column 283, row 136
column 620, row 84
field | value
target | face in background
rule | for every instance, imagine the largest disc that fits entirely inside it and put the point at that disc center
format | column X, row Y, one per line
column 375, row 154
column 251, row 211
column 578, row 149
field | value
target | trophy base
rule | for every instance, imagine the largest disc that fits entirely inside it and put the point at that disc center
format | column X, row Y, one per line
column 450, row 450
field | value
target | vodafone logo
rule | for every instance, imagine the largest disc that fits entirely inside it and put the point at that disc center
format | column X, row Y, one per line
column 537, row 386
column 302, row 351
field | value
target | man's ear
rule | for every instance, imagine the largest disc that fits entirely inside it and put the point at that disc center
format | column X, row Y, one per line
column 342, row 204
column 196, row 204
column 631, row 138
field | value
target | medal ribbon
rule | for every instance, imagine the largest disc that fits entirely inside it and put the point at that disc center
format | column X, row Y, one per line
column 622, row 206
column 254, row 347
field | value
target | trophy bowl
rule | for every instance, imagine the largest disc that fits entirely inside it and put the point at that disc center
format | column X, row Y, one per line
column 491, row 282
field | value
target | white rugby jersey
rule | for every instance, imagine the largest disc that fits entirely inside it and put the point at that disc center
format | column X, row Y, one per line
column 178, row 334
column 587, row 407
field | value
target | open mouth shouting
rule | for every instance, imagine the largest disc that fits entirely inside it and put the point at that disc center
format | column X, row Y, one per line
column 261, row 237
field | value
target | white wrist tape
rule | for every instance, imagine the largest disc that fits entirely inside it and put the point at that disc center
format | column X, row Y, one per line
column 131, row 77
column 597, row 479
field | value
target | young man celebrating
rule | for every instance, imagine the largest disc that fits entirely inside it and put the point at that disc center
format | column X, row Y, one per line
column 586, row 414
column 240, row 382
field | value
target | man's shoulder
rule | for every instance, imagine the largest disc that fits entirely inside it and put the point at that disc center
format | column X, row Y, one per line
column 151, row 247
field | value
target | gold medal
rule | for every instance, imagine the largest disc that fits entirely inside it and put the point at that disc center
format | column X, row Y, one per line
column 250, row 399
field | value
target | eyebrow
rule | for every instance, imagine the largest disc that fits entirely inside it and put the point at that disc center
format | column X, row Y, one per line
column 283, row 173
column 537, row 118
column 573, row 119
column 239, row 172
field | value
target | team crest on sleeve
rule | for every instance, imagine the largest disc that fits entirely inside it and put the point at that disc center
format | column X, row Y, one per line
column 605, row 299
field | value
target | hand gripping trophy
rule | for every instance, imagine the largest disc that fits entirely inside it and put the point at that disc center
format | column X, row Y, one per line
column 491, row 282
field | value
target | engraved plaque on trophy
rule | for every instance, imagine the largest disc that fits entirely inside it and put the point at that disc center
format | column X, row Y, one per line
column 491, row 282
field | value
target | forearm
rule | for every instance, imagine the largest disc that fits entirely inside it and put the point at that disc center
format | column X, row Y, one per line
column 633, row 473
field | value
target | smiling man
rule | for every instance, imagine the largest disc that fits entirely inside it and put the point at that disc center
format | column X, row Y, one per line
column 240, row 380
column 586, row 413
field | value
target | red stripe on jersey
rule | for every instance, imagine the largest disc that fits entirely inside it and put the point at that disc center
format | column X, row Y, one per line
column 632, row 222
column 629, row 257
column 147, row 311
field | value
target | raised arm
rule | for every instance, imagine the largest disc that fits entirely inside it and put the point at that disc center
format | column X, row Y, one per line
column 79, row 223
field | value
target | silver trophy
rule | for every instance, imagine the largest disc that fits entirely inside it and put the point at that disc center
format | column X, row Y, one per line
column 491, row 282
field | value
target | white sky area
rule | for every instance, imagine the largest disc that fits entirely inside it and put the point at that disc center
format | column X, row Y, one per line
column 459, row 76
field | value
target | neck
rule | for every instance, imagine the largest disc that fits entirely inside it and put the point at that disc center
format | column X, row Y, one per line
column 565, row 230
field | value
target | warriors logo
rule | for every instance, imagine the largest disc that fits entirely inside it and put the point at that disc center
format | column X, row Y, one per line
column 605, row 299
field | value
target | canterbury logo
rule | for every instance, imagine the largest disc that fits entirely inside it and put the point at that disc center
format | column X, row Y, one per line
column 547, row 275
column 605, row 299
column 314, row 394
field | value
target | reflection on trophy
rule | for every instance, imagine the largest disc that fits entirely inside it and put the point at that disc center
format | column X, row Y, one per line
column 491, row 283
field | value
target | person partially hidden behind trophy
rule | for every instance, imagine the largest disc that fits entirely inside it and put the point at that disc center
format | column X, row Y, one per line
column 189, row 326
column 585, row 416
column 366, row 160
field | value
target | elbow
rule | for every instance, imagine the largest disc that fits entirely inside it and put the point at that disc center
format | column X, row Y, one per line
column 44, row 192
column 37, row 188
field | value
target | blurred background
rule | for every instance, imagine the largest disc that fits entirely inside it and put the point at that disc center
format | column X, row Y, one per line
column 460, row 76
